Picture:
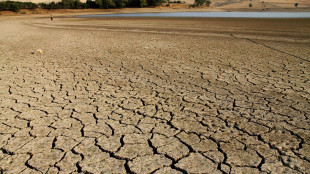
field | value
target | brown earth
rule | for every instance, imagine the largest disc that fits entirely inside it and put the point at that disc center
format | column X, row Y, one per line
column 262, row 5
column 154, row 95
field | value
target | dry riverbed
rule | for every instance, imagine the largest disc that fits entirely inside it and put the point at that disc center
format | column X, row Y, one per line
column 154, row 95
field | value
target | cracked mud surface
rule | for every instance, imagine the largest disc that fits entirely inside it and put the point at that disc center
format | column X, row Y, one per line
column 154, row 96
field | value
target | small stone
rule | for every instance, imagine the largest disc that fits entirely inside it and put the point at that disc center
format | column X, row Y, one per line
column 38, row 51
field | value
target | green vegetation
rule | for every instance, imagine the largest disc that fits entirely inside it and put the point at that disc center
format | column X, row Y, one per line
column 64, row 4
column 208, row 3
column 202, row 2
column 23, row 12
column 77, row 4
column 250, row 4
column 296, row 5
column 177, row 2
column 16, row 6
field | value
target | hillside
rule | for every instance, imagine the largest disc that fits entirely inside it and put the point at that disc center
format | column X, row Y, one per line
column 260, row 4
column 231, row 5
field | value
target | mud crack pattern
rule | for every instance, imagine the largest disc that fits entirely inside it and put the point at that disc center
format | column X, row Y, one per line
column 152, row 99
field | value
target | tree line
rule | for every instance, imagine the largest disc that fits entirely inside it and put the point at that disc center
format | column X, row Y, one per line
column 15, row 6
column 77, row 4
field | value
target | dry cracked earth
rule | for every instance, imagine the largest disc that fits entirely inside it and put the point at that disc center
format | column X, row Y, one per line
column 154, row 95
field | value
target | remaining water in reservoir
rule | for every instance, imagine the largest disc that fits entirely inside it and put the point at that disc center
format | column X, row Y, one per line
column 212, row 15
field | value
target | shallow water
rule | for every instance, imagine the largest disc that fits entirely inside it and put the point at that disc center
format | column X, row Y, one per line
column 212, row 14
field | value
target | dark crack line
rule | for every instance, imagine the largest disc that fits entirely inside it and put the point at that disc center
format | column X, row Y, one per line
column 152, row 146
column 261, row 162
column 79, row 168
column 174, row 162
column 279, row 50
column 29, row 166
column 224, row 154
column 128, row 169
column 111, row 154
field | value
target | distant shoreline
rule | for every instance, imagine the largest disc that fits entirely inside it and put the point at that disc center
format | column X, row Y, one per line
column 38, row 12
column 277, row 15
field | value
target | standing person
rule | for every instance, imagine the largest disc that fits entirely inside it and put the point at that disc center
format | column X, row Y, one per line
column 51, row 17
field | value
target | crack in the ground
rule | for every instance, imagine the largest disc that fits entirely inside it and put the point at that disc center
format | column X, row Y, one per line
column 31, row 167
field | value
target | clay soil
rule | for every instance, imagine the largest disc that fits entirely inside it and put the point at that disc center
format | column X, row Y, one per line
column 154, row 95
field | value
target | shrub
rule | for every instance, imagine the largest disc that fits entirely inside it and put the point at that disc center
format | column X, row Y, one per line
column 250, row 4
column 155, row 3
column 208, row 3
column 14, row 8
column 143, row 3
column 201, row 2
column 296, row 5
column 91, row 4
column 23, row 12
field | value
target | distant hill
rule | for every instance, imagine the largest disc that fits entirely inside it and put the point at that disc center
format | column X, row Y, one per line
column 232, row 4
column 260, row 4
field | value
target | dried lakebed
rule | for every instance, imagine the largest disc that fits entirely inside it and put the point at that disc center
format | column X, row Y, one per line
column 154, row 95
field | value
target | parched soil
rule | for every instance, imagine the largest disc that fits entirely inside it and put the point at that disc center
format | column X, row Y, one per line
column 154, row 95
